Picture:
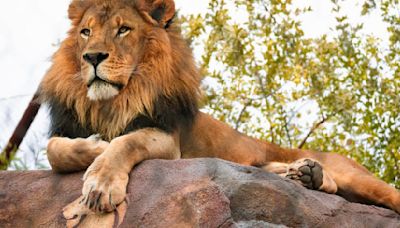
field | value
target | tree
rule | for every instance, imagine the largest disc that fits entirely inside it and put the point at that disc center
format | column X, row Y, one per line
column 8, row 153
column 261, row 72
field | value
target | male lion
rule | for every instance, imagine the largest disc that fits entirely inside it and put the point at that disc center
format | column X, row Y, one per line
column 126, row 74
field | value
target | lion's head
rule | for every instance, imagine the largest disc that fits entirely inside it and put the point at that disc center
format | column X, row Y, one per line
column 119, row 61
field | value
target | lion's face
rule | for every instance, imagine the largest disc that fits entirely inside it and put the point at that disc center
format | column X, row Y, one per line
column 122, row 60
column 110, row 46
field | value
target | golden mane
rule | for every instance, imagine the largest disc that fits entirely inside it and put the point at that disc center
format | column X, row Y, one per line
column 165, row 71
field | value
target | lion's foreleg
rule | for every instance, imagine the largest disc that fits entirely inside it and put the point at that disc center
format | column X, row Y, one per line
column 107, row 178
column 69, row 155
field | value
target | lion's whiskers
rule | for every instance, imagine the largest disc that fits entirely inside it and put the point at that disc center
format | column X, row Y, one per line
column 126, row 70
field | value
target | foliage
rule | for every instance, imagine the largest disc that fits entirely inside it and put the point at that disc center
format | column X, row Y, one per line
column 338, row 92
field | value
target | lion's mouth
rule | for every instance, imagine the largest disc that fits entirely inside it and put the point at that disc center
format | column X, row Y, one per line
column 100, row 89
column 97, row 79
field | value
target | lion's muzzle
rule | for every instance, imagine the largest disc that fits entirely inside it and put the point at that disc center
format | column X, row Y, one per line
column 99, row 86
column 95, row 58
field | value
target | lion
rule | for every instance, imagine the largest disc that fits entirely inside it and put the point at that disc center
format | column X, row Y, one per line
column 124, row 87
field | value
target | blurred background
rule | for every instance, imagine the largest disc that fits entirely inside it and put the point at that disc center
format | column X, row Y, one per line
column 311, row 74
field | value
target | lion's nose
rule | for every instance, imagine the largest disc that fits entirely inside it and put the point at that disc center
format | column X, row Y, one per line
column 95, row 58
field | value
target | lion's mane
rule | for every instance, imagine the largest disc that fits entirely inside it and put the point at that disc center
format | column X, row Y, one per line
column 163, row 91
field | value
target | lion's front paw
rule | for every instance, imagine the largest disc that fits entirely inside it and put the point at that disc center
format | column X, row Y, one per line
column 104, row 186
column 307, row 172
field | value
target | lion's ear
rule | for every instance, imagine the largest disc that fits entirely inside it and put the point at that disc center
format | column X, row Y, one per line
column 157, row 12
column 76, row 10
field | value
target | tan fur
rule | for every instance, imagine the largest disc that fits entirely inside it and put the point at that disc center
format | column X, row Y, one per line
column 77, row 153
column 282, row 169
column 162, row 64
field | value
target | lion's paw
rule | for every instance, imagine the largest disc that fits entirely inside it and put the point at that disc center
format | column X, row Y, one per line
column 104, row 186
column 307, row 172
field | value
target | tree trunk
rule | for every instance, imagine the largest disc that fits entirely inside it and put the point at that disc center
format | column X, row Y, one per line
column 19, row 133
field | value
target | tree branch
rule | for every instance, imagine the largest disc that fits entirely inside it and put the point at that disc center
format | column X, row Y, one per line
column 315, row 127
column 239, row 119
column 396, row 161
column 266, row 96
column 312, row 130
column 19, row 133
column 287, row 131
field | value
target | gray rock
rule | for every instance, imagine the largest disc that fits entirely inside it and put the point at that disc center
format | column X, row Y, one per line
column 190, row 193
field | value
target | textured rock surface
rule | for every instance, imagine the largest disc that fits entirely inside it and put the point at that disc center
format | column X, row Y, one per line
column 189, row 193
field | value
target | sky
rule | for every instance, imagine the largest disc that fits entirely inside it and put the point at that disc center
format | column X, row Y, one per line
column 31, row 30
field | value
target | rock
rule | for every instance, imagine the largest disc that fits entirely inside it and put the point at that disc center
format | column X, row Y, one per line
column 189, row 193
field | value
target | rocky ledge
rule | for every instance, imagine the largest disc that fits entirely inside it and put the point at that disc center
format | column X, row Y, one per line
column 189, row 193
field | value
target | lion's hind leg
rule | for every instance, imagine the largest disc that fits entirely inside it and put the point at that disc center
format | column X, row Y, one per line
column 311, row 175
column 366, row 188
column 277, row 168
column 306, row 172
column 356, row 184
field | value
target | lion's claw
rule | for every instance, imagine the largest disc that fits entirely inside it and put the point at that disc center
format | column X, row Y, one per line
column 102, row 200
column 307, row 172
column 104, row 188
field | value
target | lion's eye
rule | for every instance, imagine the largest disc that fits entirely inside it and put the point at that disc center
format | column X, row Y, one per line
column 123, row 31
column 85, row 33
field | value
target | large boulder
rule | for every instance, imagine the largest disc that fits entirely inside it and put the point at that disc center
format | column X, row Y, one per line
column 189, row 193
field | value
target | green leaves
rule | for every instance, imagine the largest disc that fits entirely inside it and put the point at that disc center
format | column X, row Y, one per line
column 337, row 93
